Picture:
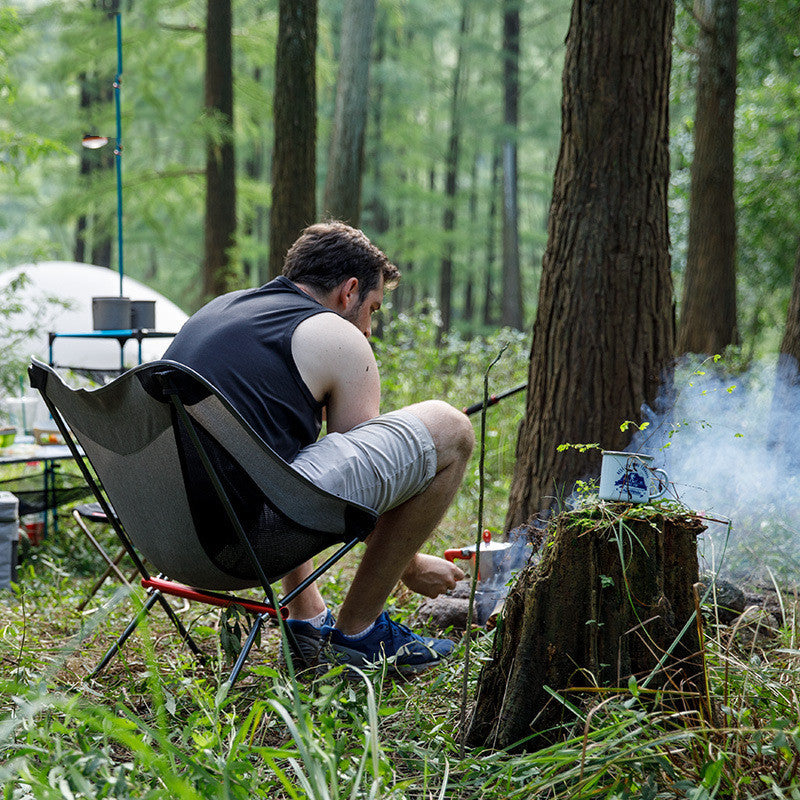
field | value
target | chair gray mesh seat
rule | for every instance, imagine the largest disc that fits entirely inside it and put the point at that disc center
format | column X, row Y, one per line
column 147, row 433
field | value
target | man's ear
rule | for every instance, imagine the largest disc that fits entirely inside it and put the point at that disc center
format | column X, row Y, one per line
column 348, row 293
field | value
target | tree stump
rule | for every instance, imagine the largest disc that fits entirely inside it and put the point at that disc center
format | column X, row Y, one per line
column 609, row 599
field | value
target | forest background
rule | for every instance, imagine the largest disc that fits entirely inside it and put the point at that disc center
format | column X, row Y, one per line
column 437, row 78
column 437, row 74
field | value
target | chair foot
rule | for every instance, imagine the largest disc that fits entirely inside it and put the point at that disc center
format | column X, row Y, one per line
column 246, row 647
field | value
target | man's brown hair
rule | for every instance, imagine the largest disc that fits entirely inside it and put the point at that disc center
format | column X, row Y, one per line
column 328, row 253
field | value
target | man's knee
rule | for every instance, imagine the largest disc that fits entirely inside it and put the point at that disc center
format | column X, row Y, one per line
column 450, row 429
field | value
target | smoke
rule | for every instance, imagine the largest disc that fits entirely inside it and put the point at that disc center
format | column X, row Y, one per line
column 729, row 450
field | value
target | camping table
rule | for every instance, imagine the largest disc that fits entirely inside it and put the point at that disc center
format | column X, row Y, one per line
column 122, row 336
column 26, row 452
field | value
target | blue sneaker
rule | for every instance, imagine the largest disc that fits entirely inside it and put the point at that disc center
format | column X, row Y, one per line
column 403, row 650
column 308, row 640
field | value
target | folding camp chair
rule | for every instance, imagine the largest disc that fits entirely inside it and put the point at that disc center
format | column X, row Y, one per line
column 152, row 434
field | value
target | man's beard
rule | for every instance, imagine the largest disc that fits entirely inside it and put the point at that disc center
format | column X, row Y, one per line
column 352, row 314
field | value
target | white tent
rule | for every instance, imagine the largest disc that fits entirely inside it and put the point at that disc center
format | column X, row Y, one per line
column 75, row 285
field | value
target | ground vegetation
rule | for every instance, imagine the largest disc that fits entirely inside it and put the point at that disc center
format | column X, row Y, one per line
column 155, row 724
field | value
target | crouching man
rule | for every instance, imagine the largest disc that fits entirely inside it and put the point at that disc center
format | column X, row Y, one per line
column 295, row 349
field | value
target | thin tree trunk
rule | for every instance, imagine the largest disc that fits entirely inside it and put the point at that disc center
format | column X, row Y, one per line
column 604, row 333
column 343, row 181
column 220, row 206
column 468, row 312
column 255, row 268
column 708, row 309
column 376, row 206
column 294, row 163
column 512, row 307
column 93, row 233
column 489, row 299
column 451, row 180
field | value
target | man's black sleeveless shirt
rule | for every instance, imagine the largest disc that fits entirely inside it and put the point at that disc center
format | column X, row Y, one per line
column 242, row 343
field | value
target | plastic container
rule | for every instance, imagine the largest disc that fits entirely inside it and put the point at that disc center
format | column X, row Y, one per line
column 9, row 539
column 22, row 413
column 33, row 525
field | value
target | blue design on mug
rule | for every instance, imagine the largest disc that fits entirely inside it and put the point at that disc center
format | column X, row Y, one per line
column 632, row 483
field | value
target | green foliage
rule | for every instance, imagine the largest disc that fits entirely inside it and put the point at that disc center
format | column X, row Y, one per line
column 57, row 46
column 17, row 326
column 18, row 146
column 415, row 366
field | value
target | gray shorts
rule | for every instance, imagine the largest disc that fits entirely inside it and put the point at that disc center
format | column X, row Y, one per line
column 380, row 463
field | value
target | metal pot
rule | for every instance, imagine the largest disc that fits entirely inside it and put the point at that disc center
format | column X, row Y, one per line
column 493, row 557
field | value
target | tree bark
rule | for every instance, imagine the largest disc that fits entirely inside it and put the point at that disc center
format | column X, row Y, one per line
column 512, row 307
column 468, row 310
column 220, row 205
column 790, row 344
column 708, row 309
column 604, row 333
column 343, row 181
column 608, row 601
column 294, row 165
column 255, row 224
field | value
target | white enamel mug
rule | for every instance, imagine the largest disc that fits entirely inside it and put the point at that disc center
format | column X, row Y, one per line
column 630, row 478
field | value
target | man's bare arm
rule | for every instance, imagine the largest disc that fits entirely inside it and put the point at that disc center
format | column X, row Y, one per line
column 337, row 364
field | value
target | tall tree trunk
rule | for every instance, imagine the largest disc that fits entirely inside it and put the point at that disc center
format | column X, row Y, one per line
column 294, row 164
column 708, row 309
column 790, row 344
column 343, row 181
column 604, row 332
column 220, row 206
column 255, row 226
column 451, row 179
column 468, row 312
column 376, row 206
column 512, row 310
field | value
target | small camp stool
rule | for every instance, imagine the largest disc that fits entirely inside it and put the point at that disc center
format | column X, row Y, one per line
column 94, row 513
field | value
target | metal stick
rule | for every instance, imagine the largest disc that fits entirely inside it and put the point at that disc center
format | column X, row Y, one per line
column 118, row 147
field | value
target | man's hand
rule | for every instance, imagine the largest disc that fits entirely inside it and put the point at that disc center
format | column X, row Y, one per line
column 431, row 575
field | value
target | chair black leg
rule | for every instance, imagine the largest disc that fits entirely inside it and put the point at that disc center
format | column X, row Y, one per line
column 151, row 600
column 245, row 651
column 132, row 625
column 185, row 635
